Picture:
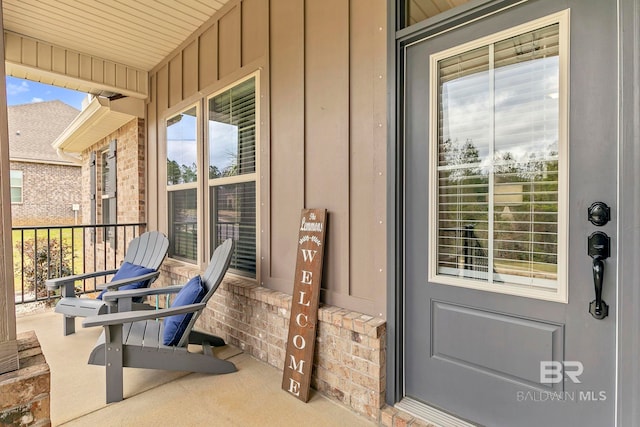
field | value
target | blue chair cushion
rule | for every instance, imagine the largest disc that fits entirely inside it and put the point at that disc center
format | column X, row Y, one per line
column 127, row 271
column 174, row 326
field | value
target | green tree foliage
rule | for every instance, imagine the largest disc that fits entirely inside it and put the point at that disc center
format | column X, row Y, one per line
column 45, row 260
column 181, row 174
column 173, row 172
column 525, row 221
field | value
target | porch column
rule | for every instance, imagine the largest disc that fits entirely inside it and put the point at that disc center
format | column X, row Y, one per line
column 8, row 343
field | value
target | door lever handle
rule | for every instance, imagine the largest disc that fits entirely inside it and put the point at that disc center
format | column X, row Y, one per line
column 598, row 249
column 598, row 308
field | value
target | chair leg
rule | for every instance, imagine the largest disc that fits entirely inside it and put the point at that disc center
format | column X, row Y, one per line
column 68, row 325
column 198, row 337
column 113, row 362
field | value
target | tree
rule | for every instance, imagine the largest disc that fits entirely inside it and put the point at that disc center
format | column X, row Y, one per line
column 173, row 172
column 46, row 259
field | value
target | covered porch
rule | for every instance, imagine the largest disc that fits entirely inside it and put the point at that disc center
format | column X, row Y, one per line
column 149, row 63
column 251, row 396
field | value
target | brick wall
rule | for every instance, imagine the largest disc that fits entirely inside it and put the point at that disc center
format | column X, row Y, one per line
column 350, row 352
column 47, row 194
column 130, row 158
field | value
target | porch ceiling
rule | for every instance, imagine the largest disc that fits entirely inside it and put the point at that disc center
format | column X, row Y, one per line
column 136, row 34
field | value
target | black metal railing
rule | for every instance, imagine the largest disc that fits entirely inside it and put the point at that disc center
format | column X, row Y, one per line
column 475, row 255
column 46, row 252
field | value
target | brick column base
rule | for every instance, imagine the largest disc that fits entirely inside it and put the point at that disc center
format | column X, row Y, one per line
column 25, row 393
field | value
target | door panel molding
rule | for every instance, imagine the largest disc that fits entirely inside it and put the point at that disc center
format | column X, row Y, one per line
column 465, row 336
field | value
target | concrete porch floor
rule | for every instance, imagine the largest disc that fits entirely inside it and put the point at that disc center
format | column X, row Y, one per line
column 250, row 397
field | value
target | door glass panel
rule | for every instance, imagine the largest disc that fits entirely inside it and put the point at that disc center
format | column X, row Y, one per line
column 526, row 156
column 497, row 127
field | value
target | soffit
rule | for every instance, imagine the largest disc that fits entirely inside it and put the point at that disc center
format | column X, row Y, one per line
column 97, row 120
column 419, row 10
column 137, row 33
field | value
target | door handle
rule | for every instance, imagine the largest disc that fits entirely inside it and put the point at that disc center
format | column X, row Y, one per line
column 598, row 249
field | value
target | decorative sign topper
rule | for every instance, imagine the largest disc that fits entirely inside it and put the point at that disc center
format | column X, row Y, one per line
column 296, row 377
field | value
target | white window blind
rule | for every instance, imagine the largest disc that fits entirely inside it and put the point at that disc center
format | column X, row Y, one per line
column 232, row 172
column 498, row 135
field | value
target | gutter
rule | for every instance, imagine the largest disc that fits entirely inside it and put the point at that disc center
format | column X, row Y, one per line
column 68, row 156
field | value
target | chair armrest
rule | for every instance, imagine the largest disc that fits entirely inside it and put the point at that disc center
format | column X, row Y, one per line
column 141, row 292
column 118, row 283
column 134, row 316
column 53, row 284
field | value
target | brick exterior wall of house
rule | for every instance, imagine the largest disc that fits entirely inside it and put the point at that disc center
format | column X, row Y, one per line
column 130, row 193
column 350, row 353
column 48, row 193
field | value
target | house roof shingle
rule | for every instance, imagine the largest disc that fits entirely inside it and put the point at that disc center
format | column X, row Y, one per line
column 33, row 127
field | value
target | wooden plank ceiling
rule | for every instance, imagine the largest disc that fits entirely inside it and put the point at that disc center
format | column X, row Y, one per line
column 136, row 33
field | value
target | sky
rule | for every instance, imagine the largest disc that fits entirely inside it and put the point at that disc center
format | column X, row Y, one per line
column 21, row 91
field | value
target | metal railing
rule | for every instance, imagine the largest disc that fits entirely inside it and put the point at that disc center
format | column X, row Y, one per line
column 46, row 252
column 475, row 255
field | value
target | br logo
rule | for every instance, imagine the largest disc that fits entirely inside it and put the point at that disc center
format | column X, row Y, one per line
column 553, row 372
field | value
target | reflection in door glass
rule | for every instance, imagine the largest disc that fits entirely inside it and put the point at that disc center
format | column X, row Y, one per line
column 498, row 135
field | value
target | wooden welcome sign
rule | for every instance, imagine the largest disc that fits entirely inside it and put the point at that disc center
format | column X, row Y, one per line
column 298, row 361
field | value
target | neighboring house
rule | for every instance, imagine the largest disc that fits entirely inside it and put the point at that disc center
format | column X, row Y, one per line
column 109, row 138
column 45, row 188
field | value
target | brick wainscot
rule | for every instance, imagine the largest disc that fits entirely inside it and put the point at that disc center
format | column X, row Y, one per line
column 349, row 362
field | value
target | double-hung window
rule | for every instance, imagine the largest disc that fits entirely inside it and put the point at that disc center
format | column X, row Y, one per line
column 182, row 184
column 214, row 177
column 16, row 186
column 232, row 172
column 108, row 179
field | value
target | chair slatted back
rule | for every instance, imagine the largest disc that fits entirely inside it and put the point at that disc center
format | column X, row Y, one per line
column 148, row 250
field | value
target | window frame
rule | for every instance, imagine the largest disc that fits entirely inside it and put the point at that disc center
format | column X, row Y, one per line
column 104, row 195
column 189, row 185
column 201, row 101
column 109, row 234
column 15, row 186
column 235, row 179
column 560, row 292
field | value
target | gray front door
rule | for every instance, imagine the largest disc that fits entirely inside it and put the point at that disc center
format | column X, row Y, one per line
column 509, row 137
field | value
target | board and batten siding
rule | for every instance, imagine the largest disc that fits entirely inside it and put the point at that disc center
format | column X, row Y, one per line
column 323, row 130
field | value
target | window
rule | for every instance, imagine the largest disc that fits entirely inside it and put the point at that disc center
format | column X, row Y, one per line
column 182, row 184
column 232, row 172
column 109, row 188
column 212, row 173
column 16, row 184
column 499, row 151
column 109, row 184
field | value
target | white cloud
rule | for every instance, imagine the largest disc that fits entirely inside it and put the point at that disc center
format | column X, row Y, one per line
column 36, row 99
column 16, row 89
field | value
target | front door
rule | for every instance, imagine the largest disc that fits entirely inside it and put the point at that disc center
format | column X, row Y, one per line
column 509, row 138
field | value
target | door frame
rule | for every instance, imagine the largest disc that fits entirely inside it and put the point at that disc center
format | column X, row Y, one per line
column 627, row 305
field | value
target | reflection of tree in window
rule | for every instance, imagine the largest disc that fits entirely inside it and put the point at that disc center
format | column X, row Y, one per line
column 232, row 172
column 182, row 177
column 498, row 135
